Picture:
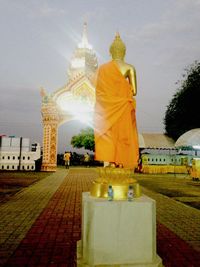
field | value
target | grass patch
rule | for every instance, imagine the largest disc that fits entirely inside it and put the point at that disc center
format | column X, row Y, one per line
column 164, row 189
column 195, row 205
column 13, row 182
column 170, row 185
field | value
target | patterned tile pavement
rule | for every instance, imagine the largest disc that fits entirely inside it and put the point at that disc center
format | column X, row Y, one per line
column 47, row 234
column 20, row 212
column 178, row 217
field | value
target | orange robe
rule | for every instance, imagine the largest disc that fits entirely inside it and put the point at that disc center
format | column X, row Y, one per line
column 116, row 138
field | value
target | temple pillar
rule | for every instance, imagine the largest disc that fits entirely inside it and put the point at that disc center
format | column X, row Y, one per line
column 50, row 135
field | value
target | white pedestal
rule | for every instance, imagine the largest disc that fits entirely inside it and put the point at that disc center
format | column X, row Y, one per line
column 118, row 233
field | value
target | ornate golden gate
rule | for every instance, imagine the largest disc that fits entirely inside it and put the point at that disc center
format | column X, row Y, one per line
column 73, row 101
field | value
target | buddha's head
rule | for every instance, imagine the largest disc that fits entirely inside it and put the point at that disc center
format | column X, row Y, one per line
column 118, row 48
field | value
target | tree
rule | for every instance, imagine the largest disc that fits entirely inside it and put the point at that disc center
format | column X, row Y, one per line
column 183, row 112
column 84, row 139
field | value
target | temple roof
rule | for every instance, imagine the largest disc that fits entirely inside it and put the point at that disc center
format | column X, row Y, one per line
column 155, row 140
column 84, row 60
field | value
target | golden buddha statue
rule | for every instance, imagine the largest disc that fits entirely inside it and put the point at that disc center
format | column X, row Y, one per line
column 118, row 51
column 116, row 139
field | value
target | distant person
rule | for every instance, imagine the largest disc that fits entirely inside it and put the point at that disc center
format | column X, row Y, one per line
column 67, row 157
column 87, row 160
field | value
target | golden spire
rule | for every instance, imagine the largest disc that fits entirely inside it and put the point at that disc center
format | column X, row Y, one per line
column 84, row 60
column 118, row 48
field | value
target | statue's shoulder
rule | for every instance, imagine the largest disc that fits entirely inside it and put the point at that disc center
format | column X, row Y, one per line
column 130, row 67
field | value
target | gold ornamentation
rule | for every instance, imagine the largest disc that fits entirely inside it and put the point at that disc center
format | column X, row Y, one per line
column 119, row 178
column 115, row 175
column 50, row 124
column 118, row 48
column 79, row 84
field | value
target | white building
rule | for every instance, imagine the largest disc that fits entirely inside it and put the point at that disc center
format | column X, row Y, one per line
column 160, row 150
column 15, row 154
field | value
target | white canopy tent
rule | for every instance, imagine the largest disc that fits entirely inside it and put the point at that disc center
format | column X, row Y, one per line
column 189, row 139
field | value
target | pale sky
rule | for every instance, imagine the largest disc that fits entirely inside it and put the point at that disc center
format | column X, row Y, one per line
column 38, row 38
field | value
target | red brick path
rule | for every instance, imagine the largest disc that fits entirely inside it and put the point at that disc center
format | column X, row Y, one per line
column 52, row 239
column 174, row 251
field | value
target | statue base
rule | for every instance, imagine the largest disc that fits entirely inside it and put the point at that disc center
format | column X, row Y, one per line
column 120, row 179
column 100, row 190
column 118, row 233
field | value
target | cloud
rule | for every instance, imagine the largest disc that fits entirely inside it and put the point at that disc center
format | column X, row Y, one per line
column 47, row 11
column 181, row 17
column 185, row 4
column 36, row 9
column 21, row 101
column 174, row 38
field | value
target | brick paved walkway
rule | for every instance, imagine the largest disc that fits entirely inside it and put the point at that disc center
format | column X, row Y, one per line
column 179, row 218
column 20, row 212
column 51, row 241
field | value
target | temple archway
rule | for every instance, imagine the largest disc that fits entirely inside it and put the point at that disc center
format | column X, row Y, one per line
column 75, row 100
